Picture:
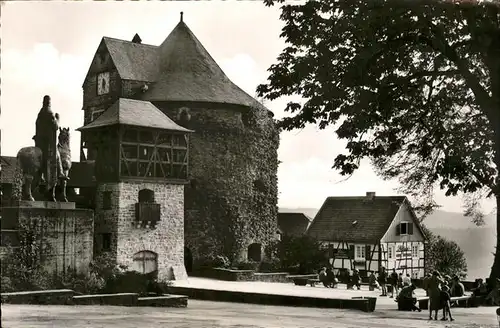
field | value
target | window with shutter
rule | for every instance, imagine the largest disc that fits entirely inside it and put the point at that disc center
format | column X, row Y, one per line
column 398, row 230
column 410, row 228
column 367, row 252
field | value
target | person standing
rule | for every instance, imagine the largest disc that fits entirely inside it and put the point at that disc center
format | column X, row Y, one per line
column 445, row 302
column 382, row 280
column 394, row 282
column 434, row 294
column 425, row 283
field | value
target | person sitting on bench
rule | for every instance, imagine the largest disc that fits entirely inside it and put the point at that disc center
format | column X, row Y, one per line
column 457, row 288
column 407, row 300
column 323, row 277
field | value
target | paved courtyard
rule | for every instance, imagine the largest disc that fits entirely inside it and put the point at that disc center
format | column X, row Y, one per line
column 202, row 314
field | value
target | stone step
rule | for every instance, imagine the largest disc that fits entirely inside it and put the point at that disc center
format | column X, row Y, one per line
column 164, row 301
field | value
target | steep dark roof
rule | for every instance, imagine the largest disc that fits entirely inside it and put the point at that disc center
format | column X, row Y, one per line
column 334, row 221
column 134, row 61
column 135, row 113
column 293, row 224
column 9, row 166
column 181, row 69
column 189, row 73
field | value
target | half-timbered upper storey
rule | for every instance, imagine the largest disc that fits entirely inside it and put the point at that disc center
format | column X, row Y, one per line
column 134, row 140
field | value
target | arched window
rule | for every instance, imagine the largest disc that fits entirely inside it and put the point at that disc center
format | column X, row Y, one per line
column 146, row 196
column 145, row 262
column 255, row 252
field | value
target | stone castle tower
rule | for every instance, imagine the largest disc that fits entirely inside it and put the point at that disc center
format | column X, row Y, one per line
column 230, row 191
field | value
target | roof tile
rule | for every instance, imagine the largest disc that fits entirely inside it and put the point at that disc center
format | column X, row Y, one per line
column 134, row 113
column 334, row 221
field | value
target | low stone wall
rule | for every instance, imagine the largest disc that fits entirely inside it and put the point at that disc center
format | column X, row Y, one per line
column 122, row 299
column 52, row 297
column 164, row 301
column 68, row 297
column 363, row 304
column 281, row 277
column 243, row 275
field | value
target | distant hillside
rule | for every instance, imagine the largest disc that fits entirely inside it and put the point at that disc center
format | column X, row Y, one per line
column 478, row 243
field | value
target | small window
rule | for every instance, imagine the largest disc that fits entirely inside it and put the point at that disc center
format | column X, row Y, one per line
column 106, row 241
column 360, row 252
column 403, row 228
column 414, row 251
column 146, row 196
column 390, row 252
column 106, row 200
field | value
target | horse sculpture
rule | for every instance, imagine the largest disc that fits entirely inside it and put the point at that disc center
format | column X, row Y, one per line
column 30, row 163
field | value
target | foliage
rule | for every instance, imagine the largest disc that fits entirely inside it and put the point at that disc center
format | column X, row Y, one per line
column 301, row 255
column 22, row 265
column 215, row 261
column 245, row 265
column 444, row 255
column 414, row 86
column 273, row 265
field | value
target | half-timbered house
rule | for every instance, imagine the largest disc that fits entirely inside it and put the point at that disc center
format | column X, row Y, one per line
column 369, row 232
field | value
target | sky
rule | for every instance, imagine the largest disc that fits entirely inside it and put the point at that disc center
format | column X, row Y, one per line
column 47, row 47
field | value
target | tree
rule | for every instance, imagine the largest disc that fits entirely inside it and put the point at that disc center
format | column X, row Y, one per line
column 443, row 255
column 414, row 86
column 302, row 252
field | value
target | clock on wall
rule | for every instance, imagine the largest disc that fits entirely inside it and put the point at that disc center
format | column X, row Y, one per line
column 103, row 83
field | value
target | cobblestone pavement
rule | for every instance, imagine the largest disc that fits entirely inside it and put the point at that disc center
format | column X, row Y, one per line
column 202, row 314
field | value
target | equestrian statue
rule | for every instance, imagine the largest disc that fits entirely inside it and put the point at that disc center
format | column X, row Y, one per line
column 48, row 163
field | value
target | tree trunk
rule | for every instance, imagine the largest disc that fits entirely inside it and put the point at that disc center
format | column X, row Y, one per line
column 495, row 269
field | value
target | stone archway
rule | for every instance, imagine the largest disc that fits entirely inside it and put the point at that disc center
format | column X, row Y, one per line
column 255, row 252
column 188, row 260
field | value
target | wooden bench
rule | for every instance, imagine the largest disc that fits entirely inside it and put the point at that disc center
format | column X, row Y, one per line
column 461, row 301
column 304, row 280
column 423, row 302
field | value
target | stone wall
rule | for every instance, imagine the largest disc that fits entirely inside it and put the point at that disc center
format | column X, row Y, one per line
column 69, row 232
column 166, row 239
column 231, row 201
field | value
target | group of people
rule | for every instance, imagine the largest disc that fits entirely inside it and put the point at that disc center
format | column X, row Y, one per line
column 394, row 280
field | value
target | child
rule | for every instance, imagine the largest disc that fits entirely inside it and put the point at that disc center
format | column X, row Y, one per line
column 445, row 302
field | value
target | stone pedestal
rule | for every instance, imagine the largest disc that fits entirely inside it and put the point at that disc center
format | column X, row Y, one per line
column 47, row 204
column 68, row 231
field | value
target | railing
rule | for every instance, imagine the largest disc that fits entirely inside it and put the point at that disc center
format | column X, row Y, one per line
column 147, row 214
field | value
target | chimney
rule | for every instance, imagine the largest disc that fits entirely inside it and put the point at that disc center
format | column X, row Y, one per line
column 136, row 39
column 370, row 195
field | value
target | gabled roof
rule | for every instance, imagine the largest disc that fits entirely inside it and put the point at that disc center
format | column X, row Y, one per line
column 355, row 219
column 293, row 224
column 181, row 69
column 134, row 61
column 134, row 113
column 189, row 73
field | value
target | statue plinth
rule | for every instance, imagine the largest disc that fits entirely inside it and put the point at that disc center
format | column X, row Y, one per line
column 46, row 204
